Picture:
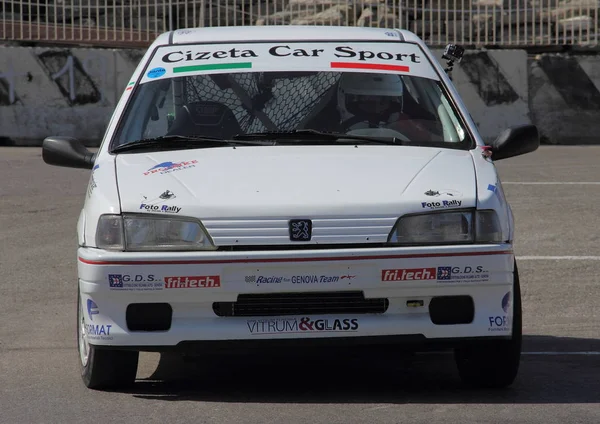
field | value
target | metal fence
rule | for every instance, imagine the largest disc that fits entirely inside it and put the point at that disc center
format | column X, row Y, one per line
column 135, row 23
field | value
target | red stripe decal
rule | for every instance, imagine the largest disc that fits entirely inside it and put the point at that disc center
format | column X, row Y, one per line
column 271, row 260
column 349, row 65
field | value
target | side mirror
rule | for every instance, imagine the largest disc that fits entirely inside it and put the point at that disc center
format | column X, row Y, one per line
column 68, row 152
column 515, row 141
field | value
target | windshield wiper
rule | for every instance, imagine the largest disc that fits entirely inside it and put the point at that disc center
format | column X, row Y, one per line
column 181, row 141
column 316, row 137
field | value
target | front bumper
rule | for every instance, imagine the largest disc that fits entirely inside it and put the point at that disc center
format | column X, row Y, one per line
column 191, row 282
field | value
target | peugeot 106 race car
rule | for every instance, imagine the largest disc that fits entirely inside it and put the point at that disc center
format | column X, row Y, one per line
column 295, row 186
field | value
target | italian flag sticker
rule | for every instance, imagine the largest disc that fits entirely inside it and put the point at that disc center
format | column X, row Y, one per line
column 213, row 67
column 376, row 67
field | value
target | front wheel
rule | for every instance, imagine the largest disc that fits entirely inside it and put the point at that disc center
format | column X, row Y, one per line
column 496, row 364
column 103, row 368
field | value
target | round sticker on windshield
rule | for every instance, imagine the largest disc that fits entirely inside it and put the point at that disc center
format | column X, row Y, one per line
column 156, row 72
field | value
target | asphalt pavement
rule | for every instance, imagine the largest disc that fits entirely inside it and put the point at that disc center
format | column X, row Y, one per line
column 555, row 195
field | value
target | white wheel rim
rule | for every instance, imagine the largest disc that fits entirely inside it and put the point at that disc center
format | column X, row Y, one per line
column 84, row 347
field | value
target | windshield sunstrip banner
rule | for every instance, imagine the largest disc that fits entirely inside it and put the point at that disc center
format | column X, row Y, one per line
column 186, row 60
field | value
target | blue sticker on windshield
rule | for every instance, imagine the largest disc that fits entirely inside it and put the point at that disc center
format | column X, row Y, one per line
column 156, row 72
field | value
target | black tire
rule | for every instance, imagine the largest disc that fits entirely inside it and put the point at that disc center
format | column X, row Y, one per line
column 104, row 368
column 496, row 364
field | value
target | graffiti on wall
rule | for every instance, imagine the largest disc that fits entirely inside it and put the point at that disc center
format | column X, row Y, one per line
column 71, row 90
column 71, row 76
column 80, row 78
column 484, row 73
column 8, row 79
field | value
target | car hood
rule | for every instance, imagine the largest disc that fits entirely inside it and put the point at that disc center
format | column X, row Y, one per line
column 284, row 182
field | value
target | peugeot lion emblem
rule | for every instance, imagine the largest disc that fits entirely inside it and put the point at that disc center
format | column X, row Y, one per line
column 300, row 229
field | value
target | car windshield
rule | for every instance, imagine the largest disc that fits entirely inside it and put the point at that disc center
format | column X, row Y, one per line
column 385, row 90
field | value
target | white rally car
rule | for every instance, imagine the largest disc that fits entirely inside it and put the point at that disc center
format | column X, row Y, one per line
column 298, row 186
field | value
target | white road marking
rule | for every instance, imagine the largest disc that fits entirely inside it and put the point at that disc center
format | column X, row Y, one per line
column 551, row 182
column 591, row 353
column 562, row 353
column 558, row 258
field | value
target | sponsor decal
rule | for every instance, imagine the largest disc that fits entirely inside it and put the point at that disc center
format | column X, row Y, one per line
column 261, row 279
column 468, row 274
column 153, row 205
column 303, row 325
column 297, row 279
column 438, row 193
column 441, row 204
column 92, row 184
column 115, row 280
column 408, row 274
column 167, row 194
column 98, row 332
column 168, row 167
column 193, row 56
column 156, row 72
column 502, row 323
column 193, row 282
column 364, row 55
column 305, row 55
column 506, row 302
column 283, row 50
column 312, row 279
column 160, row 208
column 219, row 58
column 134, row 282
column 495, row 188
column 92, row 309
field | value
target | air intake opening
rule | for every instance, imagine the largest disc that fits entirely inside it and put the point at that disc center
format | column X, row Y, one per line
column 149, row 316
column 449, row 310
column 319, row 303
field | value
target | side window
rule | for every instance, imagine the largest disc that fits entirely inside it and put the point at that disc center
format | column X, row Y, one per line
column 161, row 114
column 433, row 96
column 452, row 128
column 147, row 116
column 411, row 89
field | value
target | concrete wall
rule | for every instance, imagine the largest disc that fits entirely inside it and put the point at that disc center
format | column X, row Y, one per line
column 47, row 91
column 564, row 98
column 59, row 91
column 493, row 85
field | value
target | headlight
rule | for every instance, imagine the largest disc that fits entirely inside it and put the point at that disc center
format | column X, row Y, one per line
column 137, row 233
column 448, row 227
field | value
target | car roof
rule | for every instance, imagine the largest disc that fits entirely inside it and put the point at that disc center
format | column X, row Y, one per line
column 283, row 32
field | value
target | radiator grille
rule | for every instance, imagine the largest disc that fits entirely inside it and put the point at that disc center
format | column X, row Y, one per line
column 322, row 303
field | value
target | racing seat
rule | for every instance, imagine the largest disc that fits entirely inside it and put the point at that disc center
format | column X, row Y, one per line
column 206, row 118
